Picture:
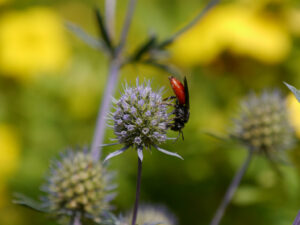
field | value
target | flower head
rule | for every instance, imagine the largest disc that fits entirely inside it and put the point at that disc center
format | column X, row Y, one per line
column 140, row 119
column 78, row 184
column 149, row 214
column 263, row 124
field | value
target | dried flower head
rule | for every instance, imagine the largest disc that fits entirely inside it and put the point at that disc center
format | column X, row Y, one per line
column 78, row 184
column 263, row 124
column 152, row 215
column 140, row 119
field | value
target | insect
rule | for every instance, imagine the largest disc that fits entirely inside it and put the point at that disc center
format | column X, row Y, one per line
column 181, row 110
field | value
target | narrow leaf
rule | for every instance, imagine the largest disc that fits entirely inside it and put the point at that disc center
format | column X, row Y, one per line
column 23, row 200
column 197, row 19
column 164, row 67
column 168, row 153
column 217, row 136
column 86, row 38
column 118, row 152
column 295, row 91
column 110, row 197
column 144, row 48
column 111, row 144
column 103, row 31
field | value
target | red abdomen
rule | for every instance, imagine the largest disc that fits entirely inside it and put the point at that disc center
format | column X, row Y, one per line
column 178, row 89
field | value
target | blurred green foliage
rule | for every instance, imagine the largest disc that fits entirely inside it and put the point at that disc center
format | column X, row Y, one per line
column 56, row 108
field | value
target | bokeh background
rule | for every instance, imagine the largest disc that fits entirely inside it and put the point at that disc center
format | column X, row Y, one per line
column 51, row 85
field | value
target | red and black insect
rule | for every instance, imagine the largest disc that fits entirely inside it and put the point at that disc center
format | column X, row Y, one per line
column 181, row 110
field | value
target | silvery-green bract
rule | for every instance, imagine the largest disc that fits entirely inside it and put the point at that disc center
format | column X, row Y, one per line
column 295, row 91
column 140, row 119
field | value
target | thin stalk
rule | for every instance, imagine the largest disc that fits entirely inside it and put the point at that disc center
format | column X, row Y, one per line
column 104, row 109
column 75, row 219
column 110, row 86
column 138, row 190
column 231, row 190
column 199, row 16
column 128, row 19
column 110, row 10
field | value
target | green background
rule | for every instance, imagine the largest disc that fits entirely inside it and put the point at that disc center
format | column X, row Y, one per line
column 52, row 113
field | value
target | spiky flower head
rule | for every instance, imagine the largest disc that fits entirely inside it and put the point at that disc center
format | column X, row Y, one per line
column 140, row 119
column 152, row 215
column 78, row 184
column 263, row 124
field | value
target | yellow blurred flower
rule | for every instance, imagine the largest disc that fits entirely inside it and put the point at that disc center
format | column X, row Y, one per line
column 9, row 151
column 294, row 112
column 237, row 29
column 3, row 198
column 293, row 19
column 9, row 159
column 31, row 41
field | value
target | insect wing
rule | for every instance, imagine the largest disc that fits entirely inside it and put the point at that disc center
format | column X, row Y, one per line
column 186, row 91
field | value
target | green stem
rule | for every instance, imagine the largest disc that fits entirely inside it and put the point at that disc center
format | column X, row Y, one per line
column 138, row 190
column 231, row 190
column 75, row 219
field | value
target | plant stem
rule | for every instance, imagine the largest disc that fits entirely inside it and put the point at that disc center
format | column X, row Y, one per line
column 113, row 76
column 297, row 220
column 231, row 190
column 199, row 16
column 75, row 219
column 110, row 86
column 129, row 15
column 138, row 190
column 110, row 10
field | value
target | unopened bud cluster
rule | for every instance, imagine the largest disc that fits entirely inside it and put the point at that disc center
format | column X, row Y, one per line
column 263, row 123
column 77, row 184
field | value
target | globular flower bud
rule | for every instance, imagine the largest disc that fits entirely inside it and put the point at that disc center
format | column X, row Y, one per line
column 140, row 119
column 150, row 215
column 263, row 124
column 77, row 184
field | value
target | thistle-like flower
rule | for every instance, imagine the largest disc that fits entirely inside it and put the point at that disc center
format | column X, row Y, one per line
column 140, row 120
column 78, row 184
column 263, row 124
column 151, row 215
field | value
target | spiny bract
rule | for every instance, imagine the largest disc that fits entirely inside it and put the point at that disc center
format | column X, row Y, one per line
column 77, row 184
column 140, row 119
column 263, row 124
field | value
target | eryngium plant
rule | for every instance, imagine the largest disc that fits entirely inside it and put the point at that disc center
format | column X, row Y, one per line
column 263, row 124
column 78, row 185
column 263, row 127
column 140, row 119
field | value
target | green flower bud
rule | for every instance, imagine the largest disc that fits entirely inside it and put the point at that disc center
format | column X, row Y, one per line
column 78, row 184
column 263, row 124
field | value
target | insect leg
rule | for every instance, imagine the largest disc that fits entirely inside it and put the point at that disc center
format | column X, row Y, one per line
column 180, row 132
column 169, row 98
